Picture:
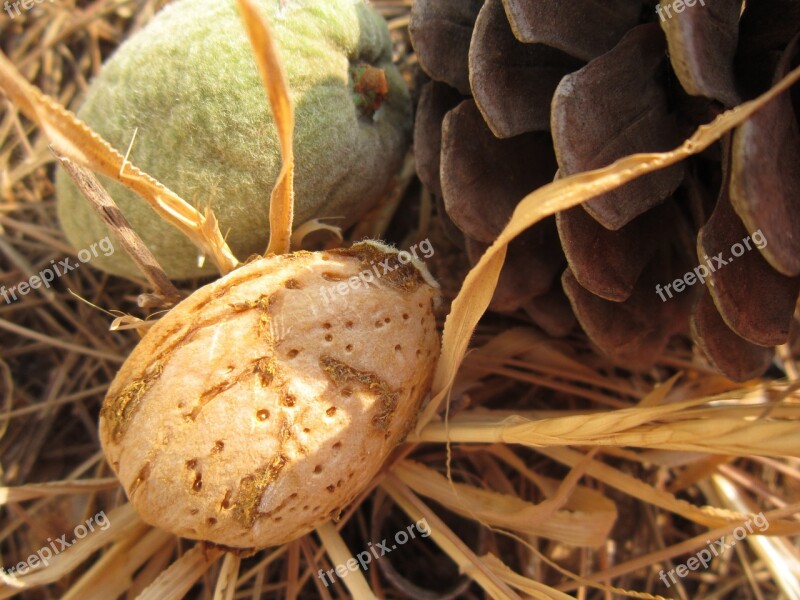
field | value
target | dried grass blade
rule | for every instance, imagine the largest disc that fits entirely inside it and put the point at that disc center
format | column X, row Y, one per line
column 466, row 311
column 586, row 523
column 629, row 427
column 476, row 292
column 447, row 540
column 687, row 546
column 85, row 147
column 273, row 76
column 339, row 554
column 228, row 575
column 55, row 488
column 109, row 212
column 112, row 574
column 178, row 579
column 777, row 553
column 524, row 584
column 708, row 516
column 122, row 519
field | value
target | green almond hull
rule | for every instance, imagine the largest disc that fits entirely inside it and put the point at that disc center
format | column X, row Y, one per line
column 189, row 84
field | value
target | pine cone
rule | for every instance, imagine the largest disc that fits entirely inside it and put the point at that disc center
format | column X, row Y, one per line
column 524, row 92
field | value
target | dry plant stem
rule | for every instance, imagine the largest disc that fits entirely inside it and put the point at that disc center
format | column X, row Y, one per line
column 111, row 575
column 34, row 335
column 476, row 292
column 586, row 520
column 273, row 76
column 82, row 145
column 447, row 540
column 106, row 208
column 704, row 515
column 228, row 574
column 122, row 520
column 178, row 579
column 729, row 435
column 776, row 553
column 524, row 584
column 339, row 554
column 55, row 488
column 686, row 546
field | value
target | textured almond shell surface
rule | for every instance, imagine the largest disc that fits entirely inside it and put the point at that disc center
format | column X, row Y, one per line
column 258, row 408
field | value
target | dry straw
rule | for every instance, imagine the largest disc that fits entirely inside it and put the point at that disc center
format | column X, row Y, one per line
column 693, row 426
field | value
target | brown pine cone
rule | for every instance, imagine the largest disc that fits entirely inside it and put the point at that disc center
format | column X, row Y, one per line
column 524, row 92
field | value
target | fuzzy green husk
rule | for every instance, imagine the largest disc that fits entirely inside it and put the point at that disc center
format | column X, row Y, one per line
column 189, row 83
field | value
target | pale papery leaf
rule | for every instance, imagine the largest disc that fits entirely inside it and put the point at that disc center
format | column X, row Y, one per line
column 587, row 522
column 273, row 77
column 312, row 226
column 685, row 547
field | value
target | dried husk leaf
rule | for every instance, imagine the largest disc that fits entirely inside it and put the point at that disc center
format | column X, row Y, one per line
column 529, row 345
column 31, row 491
column 273, row 76
column 614, row 106
column 112, row 574
column 339, row 553
column 512, row 82
column 565, row 25
column 180, row 577
column 707, row 516
column 123, row 520
column 535, row 589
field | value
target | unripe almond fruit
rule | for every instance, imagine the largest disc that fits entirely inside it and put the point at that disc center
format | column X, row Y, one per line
column 260, row 406
column 188, row 85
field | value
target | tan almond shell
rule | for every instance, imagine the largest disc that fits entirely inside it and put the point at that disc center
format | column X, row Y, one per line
column 260, row 406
